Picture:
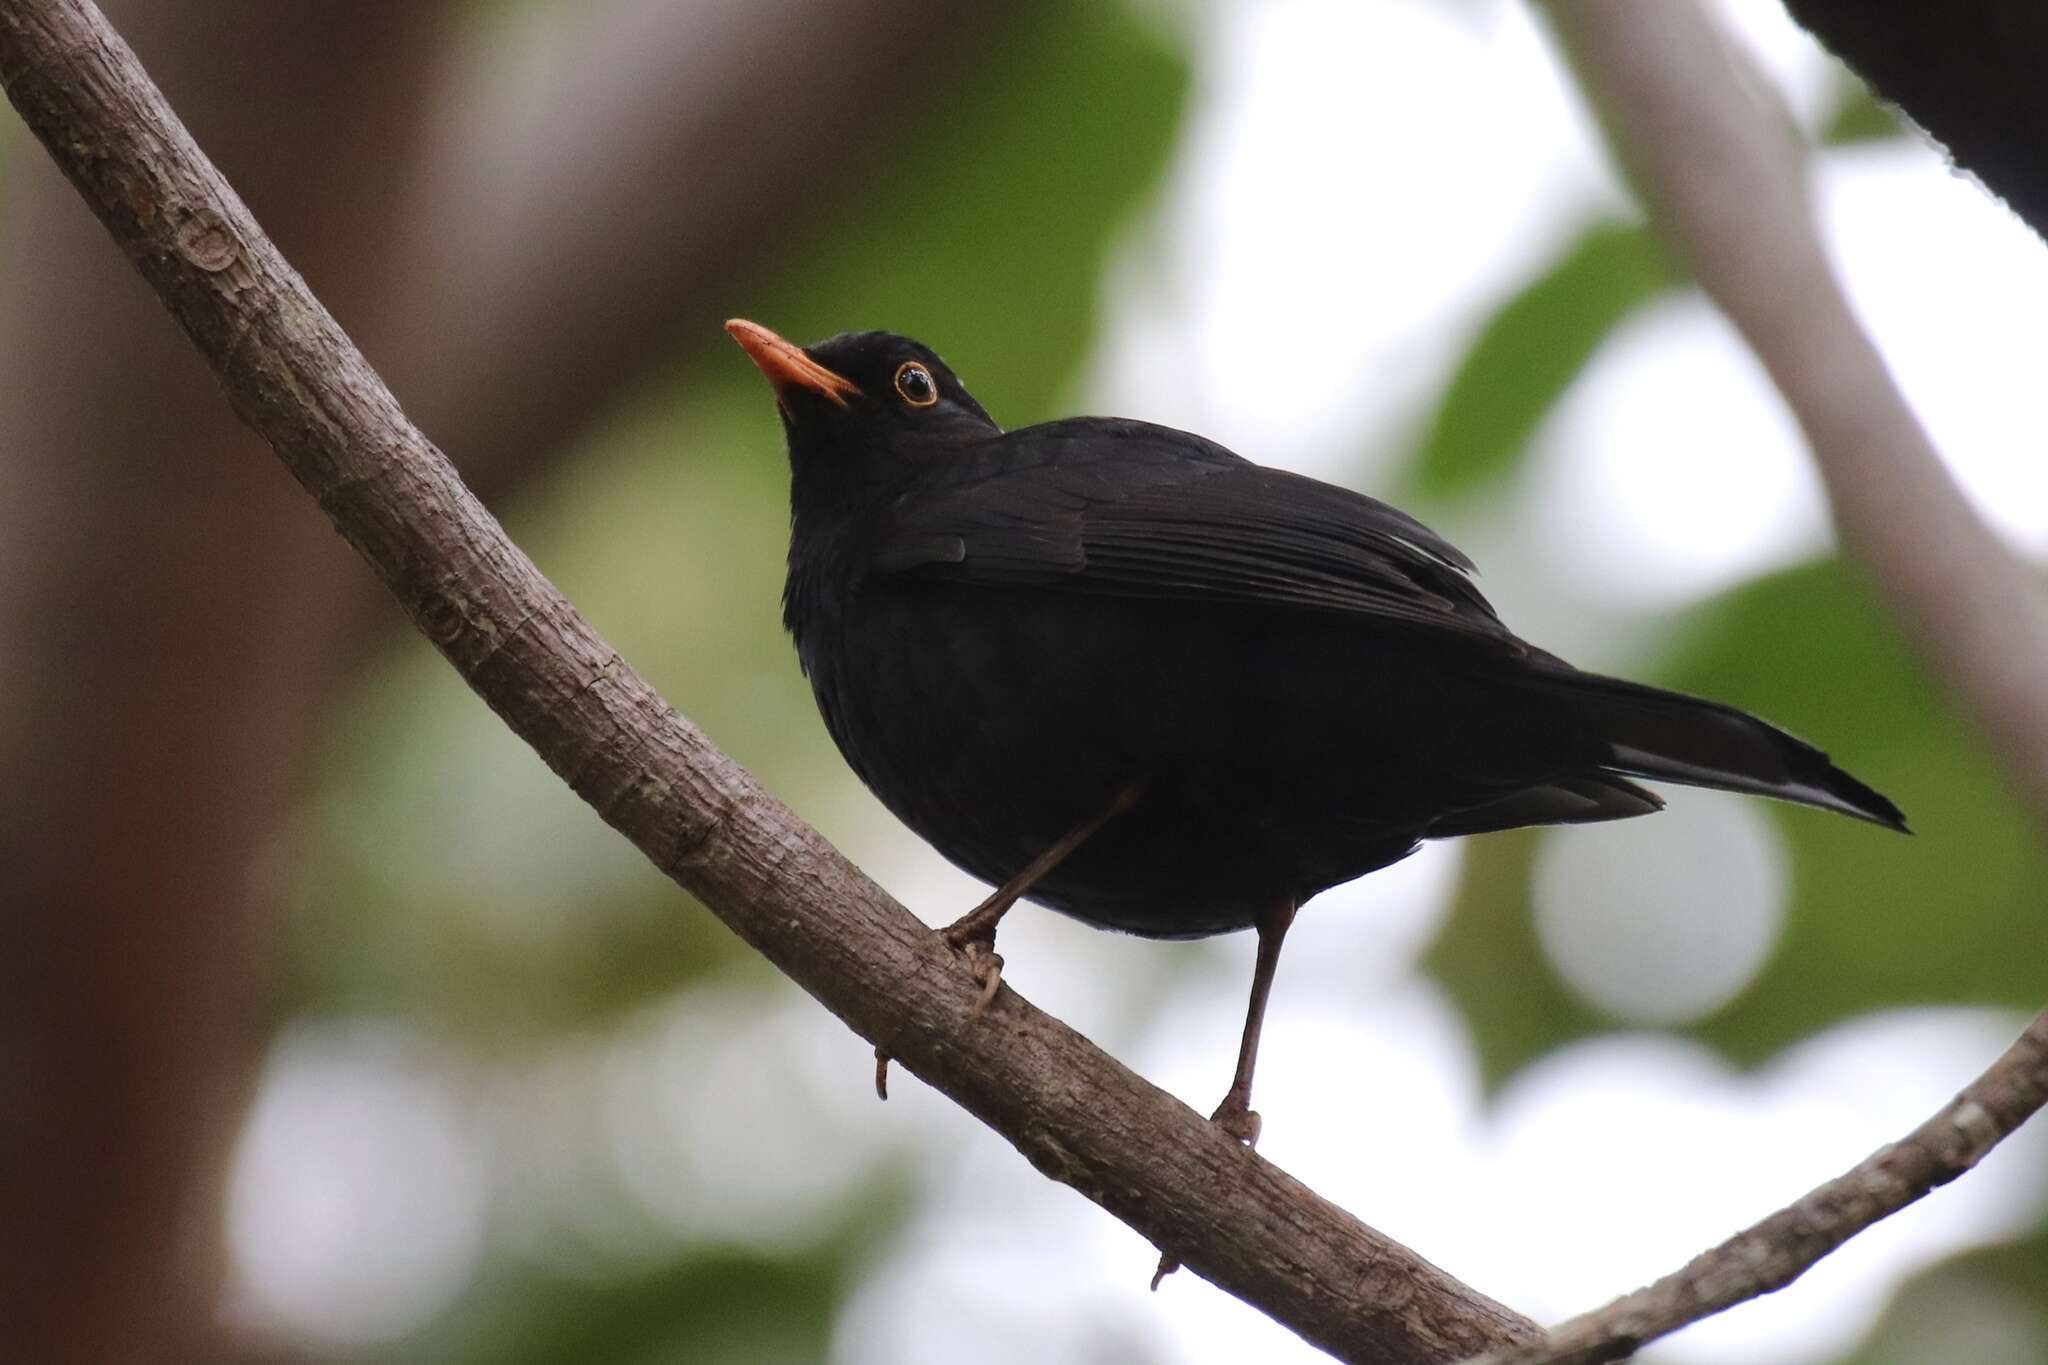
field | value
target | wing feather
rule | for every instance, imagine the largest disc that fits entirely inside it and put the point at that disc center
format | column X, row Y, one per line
column 1133, row 510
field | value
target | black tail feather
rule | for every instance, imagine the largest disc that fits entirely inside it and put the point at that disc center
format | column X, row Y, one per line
column 1670, row 737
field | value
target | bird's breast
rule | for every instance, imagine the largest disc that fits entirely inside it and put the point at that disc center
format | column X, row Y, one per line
column 992, row 722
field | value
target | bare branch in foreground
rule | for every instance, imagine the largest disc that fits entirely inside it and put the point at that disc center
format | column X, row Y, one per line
column 1771, row 1254
column 1723, row 172
column 1074, row 1112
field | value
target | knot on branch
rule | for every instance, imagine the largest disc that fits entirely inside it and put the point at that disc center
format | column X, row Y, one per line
column 207, row 242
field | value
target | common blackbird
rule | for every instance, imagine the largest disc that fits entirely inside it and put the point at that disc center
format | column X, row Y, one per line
column 1121, row 671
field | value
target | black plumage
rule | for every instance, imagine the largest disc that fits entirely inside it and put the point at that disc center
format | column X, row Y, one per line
column 1227, row 687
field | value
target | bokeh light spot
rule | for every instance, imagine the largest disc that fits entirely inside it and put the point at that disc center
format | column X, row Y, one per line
column 1663, row 919
column 356, row 1199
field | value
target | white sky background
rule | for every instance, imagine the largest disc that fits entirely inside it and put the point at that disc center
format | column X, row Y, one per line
column 1359, row 183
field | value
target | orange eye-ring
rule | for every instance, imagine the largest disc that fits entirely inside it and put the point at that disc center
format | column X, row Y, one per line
column 914, row 383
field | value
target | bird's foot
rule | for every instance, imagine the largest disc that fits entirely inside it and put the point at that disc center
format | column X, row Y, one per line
column 973, row 936
column 984, row 963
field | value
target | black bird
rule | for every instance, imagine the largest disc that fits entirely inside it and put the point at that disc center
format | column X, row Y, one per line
column 1122, row 671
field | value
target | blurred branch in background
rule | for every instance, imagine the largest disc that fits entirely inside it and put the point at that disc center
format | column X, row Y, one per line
column 1723, row 172
column 173, row 622
column 1077, row 1114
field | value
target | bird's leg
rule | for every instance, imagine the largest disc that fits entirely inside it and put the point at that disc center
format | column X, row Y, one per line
column 1235, row 1115
column 974, row 933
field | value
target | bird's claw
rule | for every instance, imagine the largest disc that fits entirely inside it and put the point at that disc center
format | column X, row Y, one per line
column 974, row 940
column 986, row 966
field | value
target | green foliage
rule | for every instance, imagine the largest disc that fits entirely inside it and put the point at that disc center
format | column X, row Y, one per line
column 1985, row 1308
column 1859, row 116
column 1530, row 352
column 1536, row 343
column 1875, row 920
column 715, row 1307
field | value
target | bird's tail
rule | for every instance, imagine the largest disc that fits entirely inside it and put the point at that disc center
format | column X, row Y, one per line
column 1670, row 737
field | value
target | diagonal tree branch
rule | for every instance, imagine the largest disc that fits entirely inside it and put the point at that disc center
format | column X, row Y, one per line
column 1074, row 1112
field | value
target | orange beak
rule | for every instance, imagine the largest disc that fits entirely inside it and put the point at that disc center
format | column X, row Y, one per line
column 785, row 362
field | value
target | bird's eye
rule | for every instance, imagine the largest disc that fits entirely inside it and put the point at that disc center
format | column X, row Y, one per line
column 916, row 385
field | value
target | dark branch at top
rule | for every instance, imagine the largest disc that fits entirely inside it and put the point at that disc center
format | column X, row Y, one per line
column 1969, row 72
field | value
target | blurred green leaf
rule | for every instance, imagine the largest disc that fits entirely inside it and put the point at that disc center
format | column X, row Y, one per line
column 1956, row 913
column 709, row 1305
column 1988, row 1307
column 715, row 1307
column 1859, row 116
column 1531, row 350
column 458, row 883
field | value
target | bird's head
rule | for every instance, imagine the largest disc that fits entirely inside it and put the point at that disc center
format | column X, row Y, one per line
column 862, row 401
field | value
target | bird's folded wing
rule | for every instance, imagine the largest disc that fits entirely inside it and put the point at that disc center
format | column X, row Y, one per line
column 1130, row 510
